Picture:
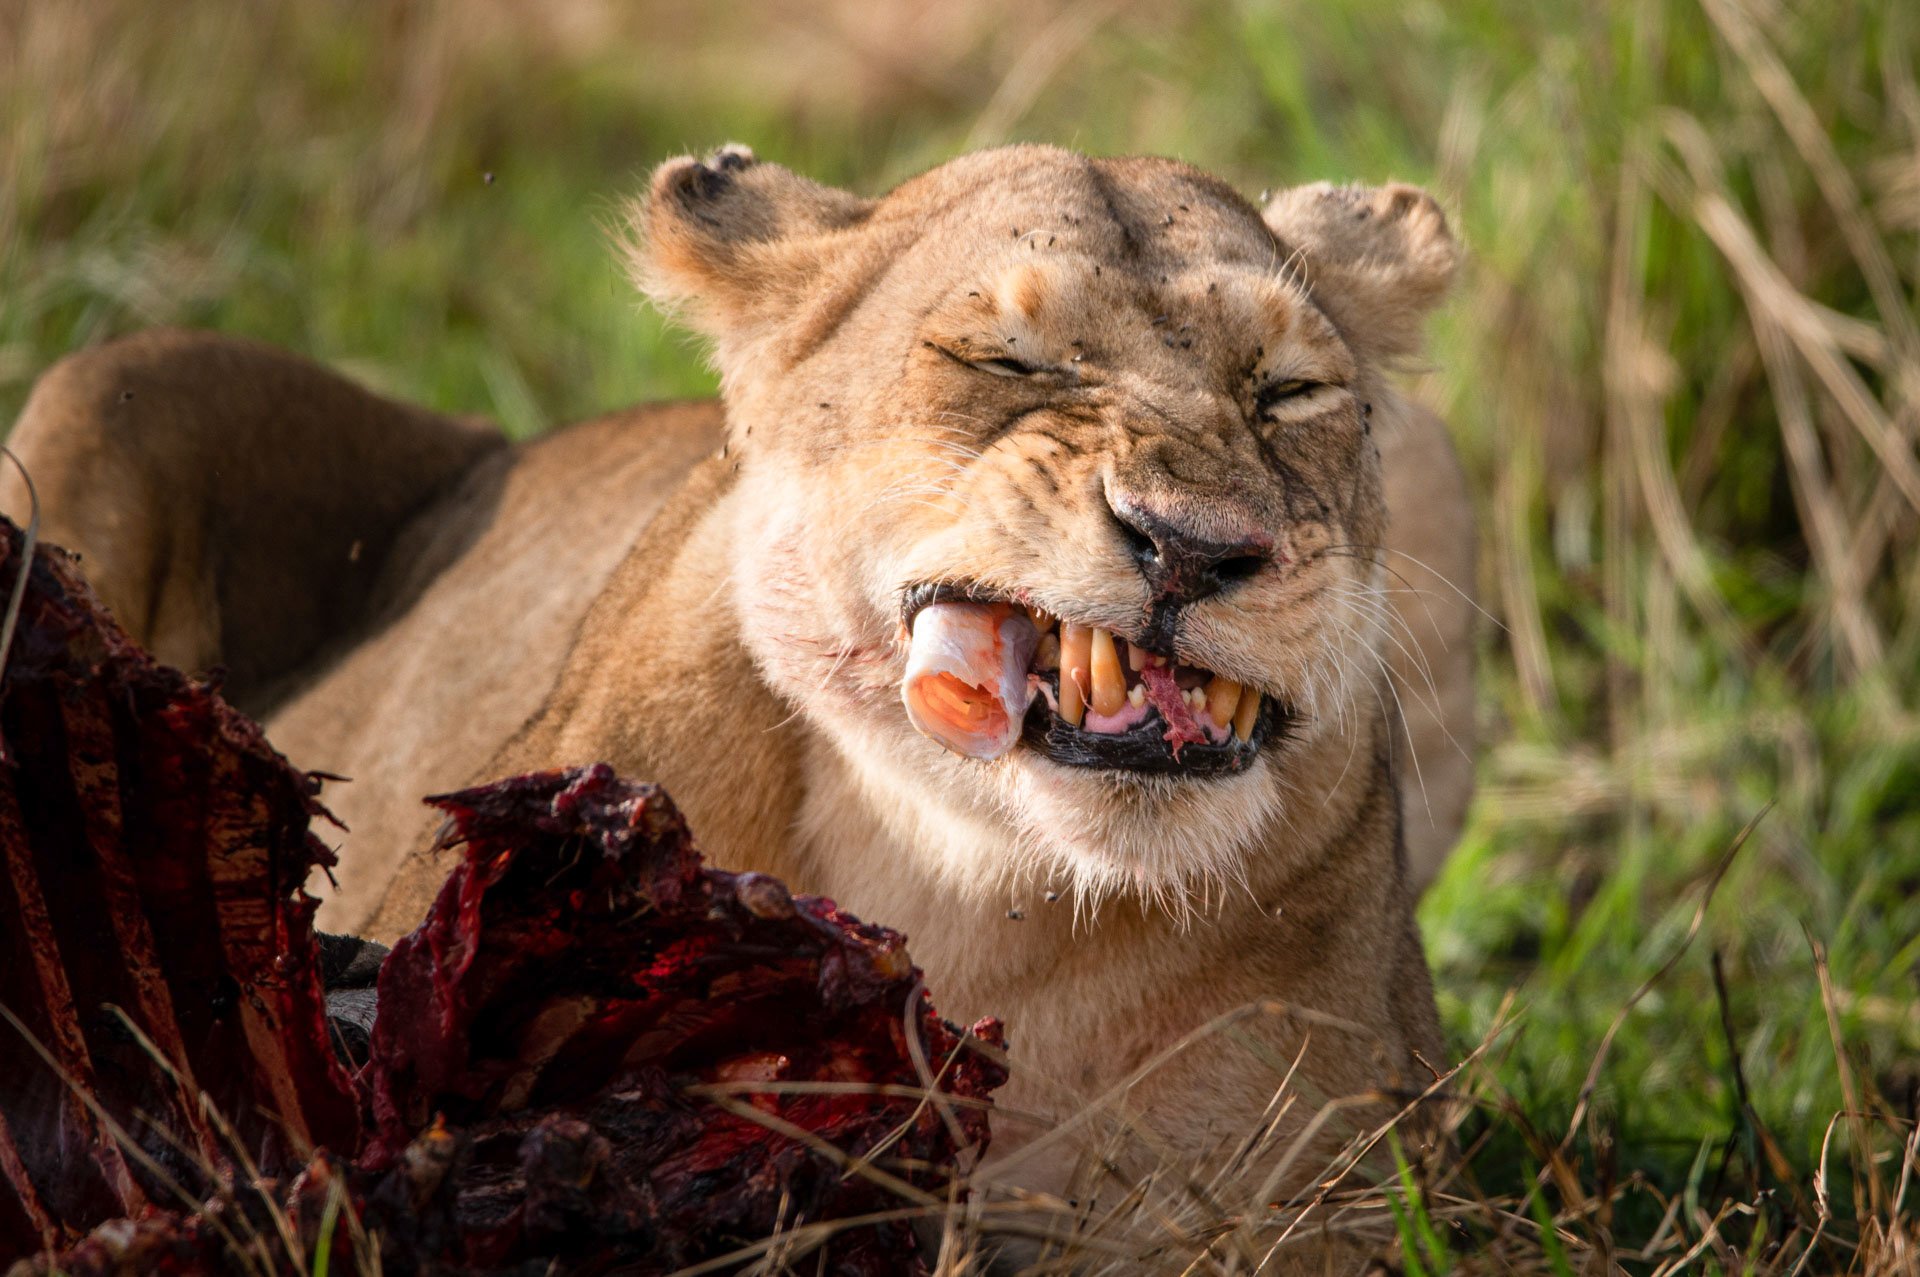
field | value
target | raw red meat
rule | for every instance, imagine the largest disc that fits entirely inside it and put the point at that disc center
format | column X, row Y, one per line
column 1164, row 692
column 579, row 981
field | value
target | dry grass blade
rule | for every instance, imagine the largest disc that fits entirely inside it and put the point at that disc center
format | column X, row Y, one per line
column 123, row 1138
column 1638, row 376
column 1802, row 123
column 1791, row 332
column 1772, row 299
column 1109, row 1102
column 237, row 1147
column 29, row 538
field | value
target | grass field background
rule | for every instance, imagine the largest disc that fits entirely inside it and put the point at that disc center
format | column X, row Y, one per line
column 1683, row 366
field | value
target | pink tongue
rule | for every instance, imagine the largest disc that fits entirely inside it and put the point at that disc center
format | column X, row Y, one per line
column 1164, row 692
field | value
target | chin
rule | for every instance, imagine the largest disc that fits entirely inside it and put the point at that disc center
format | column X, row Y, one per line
column 1026, row 823
column 1164, row 838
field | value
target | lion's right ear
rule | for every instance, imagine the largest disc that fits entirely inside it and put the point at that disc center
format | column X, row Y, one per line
column 733, row 244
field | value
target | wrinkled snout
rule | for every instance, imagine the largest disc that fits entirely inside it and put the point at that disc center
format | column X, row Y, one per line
column 1187, row 550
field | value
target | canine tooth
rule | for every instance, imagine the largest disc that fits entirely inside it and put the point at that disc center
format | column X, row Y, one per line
column 1223, row 697
column 1047, row 655
column 1137, row 695
column 1072, row 707
column 1245, row 713
column 1076, row 648
column 1076, row 657
column 1109, row 684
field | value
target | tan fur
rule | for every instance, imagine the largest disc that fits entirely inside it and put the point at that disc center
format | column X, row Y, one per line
column 717, row 605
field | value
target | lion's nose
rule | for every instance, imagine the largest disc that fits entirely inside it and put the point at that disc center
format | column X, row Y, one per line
column 1185, row 559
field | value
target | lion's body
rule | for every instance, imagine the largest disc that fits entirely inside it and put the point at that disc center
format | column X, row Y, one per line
column 485, row 609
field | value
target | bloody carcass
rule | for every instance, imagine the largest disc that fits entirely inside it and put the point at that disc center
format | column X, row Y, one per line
column 595, row 1053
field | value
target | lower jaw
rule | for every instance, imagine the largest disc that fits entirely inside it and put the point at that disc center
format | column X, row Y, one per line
column 1143, row 749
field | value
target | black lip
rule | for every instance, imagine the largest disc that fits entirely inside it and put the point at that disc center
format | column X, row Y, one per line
column 1144, row 747
column 918, row 597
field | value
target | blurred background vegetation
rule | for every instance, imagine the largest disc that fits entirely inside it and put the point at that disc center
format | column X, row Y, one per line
column 1683, row 367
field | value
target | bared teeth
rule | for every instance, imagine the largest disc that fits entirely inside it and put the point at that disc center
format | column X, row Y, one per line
column 1223, row 698
column 1093, row 662
column 1109, row 684
column 1245, row 713
column 1076, row 677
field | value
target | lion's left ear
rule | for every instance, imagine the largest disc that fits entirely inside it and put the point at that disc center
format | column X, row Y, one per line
column 1376, row 258
column 733, row 244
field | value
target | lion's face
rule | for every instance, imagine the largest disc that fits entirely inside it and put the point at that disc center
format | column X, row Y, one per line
column 1107, row 392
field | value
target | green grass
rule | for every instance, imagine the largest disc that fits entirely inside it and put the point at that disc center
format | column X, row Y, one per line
column 1678, row 649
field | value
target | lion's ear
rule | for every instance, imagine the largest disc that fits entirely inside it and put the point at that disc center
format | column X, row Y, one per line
column 733, row 243
column 1377, row 258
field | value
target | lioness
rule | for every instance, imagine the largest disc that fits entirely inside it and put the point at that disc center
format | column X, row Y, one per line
column 1106, row 399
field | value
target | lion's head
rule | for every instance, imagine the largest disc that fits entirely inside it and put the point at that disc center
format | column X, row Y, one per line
column 1106, row 390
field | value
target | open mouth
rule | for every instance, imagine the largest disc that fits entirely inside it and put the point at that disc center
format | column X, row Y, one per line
column 985, row 672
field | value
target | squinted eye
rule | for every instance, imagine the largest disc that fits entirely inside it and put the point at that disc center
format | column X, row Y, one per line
column 1274, row 392
column 1004, row 366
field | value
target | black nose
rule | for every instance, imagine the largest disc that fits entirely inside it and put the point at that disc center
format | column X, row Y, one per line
column 1181, row 564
